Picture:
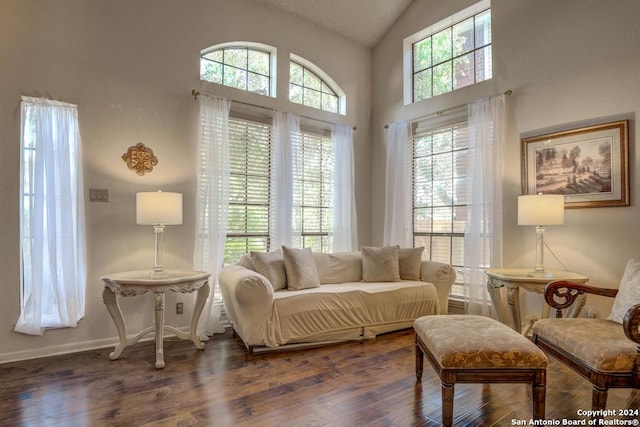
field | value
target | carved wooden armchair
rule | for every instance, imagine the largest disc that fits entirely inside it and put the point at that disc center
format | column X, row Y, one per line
column 604, row 352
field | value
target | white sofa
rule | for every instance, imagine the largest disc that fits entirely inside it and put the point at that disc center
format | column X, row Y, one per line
column 341, row 307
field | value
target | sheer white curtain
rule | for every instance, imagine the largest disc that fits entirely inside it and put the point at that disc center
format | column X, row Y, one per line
column 345, row 231
column 285, row 159
column 212, row 200
column 52, row 225
column 397, row 214
column 483, row 233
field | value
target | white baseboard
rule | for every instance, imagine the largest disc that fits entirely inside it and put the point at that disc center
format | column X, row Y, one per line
column 57, row 350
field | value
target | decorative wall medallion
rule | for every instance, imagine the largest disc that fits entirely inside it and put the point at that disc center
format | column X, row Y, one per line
column 140, row 159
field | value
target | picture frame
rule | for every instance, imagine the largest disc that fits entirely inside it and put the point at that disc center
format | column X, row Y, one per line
column 589, row 165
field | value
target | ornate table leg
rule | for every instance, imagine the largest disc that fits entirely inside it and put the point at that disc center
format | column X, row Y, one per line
column 110, row 300
column 201, row 299
column 513, row 299
column 494, row 292
column 159, row 307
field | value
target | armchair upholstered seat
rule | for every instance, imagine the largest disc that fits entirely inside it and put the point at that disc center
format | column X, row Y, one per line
column 605, row 352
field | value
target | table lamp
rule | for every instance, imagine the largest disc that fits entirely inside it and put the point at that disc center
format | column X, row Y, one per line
column 158, row 208
column 540, row 210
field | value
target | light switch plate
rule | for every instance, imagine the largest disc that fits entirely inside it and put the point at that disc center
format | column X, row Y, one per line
column 98, row 195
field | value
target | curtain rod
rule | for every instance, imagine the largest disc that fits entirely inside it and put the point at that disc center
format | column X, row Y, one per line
column 443, row 112
column 195, row 94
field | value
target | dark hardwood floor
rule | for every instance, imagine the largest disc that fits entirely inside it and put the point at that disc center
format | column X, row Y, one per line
column 353, row 384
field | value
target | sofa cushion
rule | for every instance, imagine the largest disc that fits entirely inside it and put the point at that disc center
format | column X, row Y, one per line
column 300, row 267
column 271, row 266
column 339, row 307
column 380, row 264
column 628, row 292
column 409, row 262
column 339, row 267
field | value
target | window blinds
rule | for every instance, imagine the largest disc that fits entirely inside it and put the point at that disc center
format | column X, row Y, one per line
column 313, row 191
column 439, row 198
column 249, row 158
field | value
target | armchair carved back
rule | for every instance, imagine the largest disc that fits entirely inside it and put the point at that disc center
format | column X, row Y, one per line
column 562, row 294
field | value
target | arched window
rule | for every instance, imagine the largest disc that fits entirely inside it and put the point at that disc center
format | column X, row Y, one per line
column 243, row 65
column 310, row 86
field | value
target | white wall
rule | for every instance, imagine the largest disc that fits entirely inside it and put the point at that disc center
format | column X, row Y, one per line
column 130, row 67
column 568, row 63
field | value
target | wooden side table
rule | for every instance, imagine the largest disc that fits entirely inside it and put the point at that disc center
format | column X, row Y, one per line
column 515, row 278
column 138, row 282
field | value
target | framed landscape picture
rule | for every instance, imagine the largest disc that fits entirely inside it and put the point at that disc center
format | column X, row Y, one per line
column 589, row 165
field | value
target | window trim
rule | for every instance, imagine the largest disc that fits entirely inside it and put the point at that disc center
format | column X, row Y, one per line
column 407, row 43
column 273, row 62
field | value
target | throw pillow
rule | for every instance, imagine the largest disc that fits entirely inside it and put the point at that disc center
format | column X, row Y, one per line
column 628, row 291
column 301, row 269
column 245, row 261
column 410, row 262
column 339, row 267
column 271, row 266
column 380, row 264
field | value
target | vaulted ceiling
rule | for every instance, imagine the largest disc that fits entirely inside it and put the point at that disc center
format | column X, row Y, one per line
column 363, row 21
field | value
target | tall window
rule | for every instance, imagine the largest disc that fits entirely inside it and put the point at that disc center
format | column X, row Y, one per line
column 248, row 227
column 249, row 159
column 449, row 55
column 244, row 66
column 313, row 212
column 439, row 199
column 51, row 217
column 310, row 86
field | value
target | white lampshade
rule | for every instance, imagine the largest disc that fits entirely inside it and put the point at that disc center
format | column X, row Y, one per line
column 158, row 207
column 541, row 209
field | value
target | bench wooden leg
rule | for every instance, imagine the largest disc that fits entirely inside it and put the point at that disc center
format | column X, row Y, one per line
column 419, row 362
column 447, row 404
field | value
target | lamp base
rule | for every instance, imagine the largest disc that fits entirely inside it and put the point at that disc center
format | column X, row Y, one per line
column 540, row 274
column 538, row 271
column 158, row 266
column 158, row 275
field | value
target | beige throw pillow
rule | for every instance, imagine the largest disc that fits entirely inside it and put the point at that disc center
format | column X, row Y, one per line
column 245, row 261
column 339, row 267
column 271, row 266
column 628, row 291
column 410, row 262
column 380, row 264
column 301, row 269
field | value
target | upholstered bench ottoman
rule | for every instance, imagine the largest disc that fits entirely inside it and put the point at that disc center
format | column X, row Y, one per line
column 476, row 349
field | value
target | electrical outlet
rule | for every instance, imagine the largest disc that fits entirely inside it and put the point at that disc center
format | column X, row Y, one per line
column 179, row 308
